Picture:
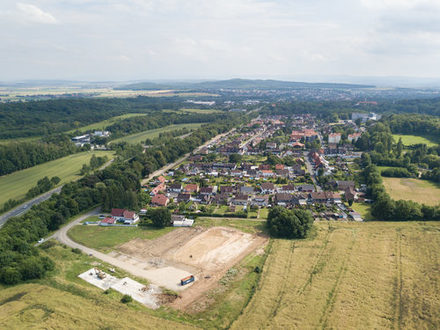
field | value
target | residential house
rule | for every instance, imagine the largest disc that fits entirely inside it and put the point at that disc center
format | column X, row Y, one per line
column 267, row 188
column 260, row 200
column 334, row 138
column 183, row 197
column 227, row 189
column 210, row 190
column 325, row 197
column 343, row 185
column 306, row 187
column 283, row 199
column 160, row 200
column 175, row 188
column 240, row 199
column 247, row 190
column 157, row 189
column 191, row 188
column 125, row 216
column 287, row 189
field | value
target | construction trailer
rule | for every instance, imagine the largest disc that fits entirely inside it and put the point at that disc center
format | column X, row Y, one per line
column 187, row 280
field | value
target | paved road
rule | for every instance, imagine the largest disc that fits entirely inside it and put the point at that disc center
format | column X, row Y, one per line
column 310, row 171
column 181, row 160
column 152, row 275
column 23, row 208
column 26, row 206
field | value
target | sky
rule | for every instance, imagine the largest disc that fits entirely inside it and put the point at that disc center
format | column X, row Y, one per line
column 99, row 40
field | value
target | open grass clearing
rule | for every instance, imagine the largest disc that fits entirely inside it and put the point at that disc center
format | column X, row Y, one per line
column 351, row 276
column 200, row 110
column 103, row 124
column 106, row 239
column 409, row 140
column 153, row 133
column 364, row 210
column 26, row 139
column 421, row 191
column 16, row 185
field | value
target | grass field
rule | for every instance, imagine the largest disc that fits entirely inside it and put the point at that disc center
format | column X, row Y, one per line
column 106, row 238
column 408, row 140
column 103, row 124
column 153, row 133
column 351, row 276
column 28, row 139
column 421, row 191
column 15, row 185
column 200, row 110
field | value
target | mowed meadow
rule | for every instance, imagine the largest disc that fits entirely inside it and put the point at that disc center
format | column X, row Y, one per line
column 420, row 191
column 351, row 276
column 15, row 185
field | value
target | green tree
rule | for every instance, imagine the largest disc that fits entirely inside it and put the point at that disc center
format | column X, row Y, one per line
column 161, row 217
column 235, row 158
column 285, row 223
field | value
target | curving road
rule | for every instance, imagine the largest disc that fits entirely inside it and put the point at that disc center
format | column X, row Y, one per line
column 152, row 275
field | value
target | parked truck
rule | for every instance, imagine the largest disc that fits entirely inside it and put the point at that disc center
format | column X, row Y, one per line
column 187, row 280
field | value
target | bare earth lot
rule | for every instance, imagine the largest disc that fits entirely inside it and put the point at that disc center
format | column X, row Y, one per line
column 205, row 253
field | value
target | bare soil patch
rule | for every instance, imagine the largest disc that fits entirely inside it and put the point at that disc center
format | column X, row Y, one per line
column 205, row 253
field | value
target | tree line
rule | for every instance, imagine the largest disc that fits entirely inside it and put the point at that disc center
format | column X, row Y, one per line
column 20, row 155
column 384, row 207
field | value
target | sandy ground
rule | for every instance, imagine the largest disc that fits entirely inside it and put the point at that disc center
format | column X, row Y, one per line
column 145, row 295
column 205, row 253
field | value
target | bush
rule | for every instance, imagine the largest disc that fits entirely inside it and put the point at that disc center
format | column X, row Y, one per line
column 396, row 172
column 126, row 299
column 76, row 250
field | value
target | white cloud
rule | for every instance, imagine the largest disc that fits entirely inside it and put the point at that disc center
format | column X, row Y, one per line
column 31, row 13
column 145, row 39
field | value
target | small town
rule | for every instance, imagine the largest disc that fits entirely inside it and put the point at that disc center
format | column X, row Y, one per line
column 270, row 161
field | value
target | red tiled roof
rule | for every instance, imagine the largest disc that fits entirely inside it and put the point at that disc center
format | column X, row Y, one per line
column 118, row 212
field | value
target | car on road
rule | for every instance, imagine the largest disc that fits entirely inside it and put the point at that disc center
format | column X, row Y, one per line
column 41, row 240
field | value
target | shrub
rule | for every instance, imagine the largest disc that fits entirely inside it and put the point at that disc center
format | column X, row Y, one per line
column 126, row 299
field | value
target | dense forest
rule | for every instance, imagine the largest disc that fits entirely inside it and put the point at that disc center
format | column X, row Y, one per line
column 40, row 118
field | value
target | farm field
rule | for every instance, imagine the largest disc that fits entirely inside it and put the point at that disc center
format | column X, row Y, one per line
column 409, row 140
column 15, row 185
column 351, row 276
column 153, row 133
column 421, row 191
column 103, row 124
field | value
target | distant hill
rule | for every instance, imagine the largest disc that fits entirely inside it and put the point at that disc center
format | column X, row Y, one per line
column 237, row 84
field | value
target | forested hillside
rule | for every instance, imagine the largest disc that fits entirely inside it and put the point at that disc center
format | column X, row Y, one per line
column 39, row 118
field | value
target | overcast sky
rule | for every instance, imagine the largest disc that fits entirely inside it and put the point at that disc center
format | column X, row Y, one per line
column 192, row 39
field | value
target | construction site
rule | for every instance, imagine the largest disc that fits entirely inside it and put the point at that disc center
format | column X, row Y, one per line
column 145, row 294
column 205, row 254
